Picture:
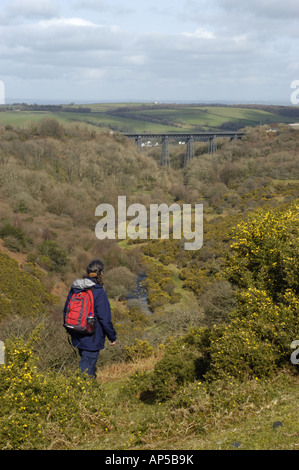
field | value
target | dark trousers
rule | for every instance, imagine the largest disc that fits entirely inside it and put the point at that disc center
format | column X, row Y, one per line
column 88, row 361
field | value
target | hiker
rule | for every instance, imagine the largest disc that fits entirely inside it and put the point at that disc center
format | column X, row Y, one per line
column 89, row 345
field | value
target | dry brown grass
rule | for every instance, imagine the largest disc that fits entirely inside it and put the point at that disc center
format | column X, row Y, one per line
column 118, row 371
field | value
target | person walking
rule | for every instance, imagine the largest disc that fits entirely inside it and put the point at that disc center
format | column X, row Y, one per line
column 89, row 346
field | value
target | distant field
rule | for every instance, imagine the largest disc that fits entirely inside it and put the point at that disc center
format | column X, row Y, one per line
column 211, row 117
column 141, row 117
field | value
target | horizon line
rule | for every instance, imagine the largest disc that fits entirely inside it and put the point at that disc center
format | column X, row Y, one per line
column 54, row 101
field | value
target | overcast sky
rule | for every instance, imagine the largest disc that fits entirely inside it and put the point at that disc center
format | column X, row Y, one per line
column 149, row 50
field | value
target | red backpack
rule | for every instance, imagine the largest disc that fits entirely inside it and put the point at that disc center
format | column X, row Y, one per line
column 79, row 315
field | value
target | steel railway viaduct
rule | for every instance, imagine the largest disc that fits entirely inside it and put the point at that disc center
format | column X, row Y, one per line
column 188, row 139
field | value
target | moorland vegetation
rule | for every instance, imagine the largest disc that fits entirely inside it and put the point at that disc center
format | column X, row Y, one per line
column 213, row 358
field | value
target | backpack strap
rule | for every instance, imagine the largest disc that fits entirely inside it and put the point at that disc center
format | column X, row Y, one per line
column 95, row 324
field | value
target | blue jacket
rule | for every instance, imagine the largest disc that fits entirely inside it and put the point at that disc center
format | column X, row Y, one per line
column 104, row 326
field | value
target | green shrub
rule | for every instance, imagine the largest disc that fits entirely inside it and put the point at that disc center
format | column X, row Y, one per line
column 21, row 206
column 31, row 258
column 182, row 363
column 50, row 128
column 160, row 287
column 13, row 244
column 217, row 300
column 51, row 250
column 119, row 281
column 193, row 278
column 15, row 236
column 177, row 367
column 46, row 263
column 157, row 298
column 21, row 293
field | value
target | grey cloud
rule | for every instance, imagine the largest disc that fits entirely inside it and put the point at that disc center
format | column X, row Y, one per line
column 196, row 60
column 33, row 8
column 91, row 4
column 103, row 6
column 219, row 47
column 63, row 35
column 262, row 20
column 75, row 44
column 267, row 8
column 61, row 47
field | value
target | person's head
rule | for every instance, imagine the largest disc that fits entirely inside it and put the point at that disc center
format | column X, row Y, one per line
column 95, row 270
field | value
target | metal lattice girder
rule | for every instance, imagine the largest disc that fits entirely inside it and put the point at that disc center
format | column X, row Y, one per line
column 189, row 150
column 213, row 145
column 199, row 136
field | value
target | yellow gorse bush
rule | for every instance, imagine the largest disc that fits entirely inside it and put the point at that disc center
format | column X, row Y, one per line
column 37, row 409
column 264, row 266
column 158, row 284
column 139, row 350
column 21, row 293
column 255, row 341
column 265, row 252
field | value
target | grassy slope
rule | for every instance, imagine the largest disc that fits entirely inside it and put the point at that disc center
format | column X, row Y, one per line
column 169, row 118
column 212, row 116
column 138, row 426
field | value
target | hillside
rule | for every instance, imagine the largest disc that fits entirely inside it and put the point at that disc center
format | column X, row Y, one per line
column 213, row 357
column 152, row 117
